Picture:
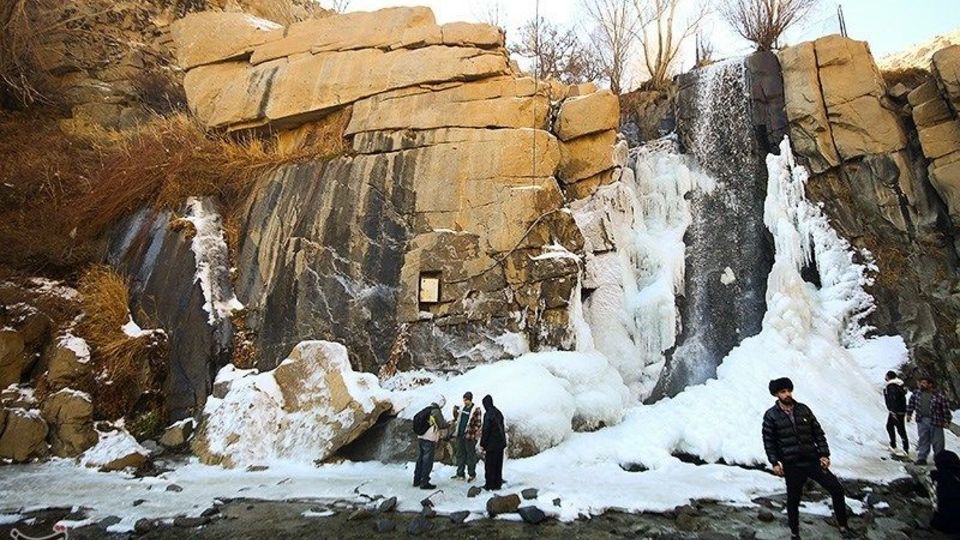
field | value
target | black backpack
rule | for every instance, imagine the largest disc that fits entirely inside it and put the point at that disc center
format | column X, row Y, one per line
column 421, row 421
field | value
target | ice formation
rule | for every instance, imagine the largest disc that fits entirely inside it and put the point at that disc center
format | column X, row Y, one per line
column 635, row 261
column 213, row 262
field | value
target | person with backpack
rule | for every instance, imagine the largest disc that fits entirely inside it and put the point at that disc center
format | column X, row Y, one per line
column 946, row 518
column 933, row 416
column 493, row 440
column 895, row 397
column 467, row 425
column 427, row 425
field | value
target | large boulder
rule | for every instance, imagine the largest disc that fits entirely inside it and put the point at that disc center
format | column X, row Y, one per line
column 70, row 415
column 13, row 358
column 946, row 65
column 210, row 36
column 115, row 450
column 22, row 434
column 809, row 129
column 500, row 102
column 69, row 361
column 583, row 115
column 308, row 407
column 586, row 156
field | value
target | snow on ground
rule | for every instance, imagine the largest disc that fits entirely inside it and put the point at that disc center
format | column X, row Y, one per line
column 815, row 336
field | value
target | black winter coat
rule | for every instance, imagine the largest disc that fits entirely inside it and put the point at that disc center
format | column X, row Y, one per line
column 946, row 518
column 493, row 435
column 895, row 396
column 799, row 445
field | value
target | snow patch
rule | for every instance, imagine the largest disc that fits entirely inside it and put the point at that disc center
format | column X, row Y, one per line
column 213, row 262
column 112, row 446
column 76, row 345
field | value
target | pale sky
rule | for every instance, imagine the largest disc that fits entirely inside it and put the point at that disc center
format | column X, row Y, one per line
column 888, row 25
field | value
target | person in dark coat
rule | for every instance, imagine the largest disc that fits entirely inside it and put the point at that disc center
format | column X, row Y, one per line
column 946, row 518
column 797, row 449
column 896, row 398
column 493, row 441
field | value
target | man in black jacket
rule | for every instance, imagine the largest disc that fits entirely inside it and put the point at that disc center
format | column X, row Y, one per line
column 896, row 398
column 797, row 448
column 493, row 440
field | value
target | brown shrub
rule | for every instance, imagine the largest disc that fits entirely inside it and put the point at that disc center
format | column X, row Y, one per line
column 23, row 24
column 160, row 90
column 59, row 193
column 126, row 367
column 911, row 77
column 105, row 301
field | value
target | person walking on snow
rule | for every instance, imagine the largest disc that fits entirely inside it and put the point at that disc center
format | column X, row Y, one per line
column 427, row 424
column 933, row 415
column 896, row 398
column 467, row 428
column 797, row 448
column 493, row 440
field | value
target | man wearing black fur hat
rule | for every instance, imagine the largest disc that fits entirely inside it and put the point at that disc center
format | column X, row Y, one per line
column 797, row 448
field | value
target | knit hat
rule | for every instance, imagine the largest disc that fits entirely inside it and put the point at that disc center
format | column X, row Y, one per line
column 782, row 383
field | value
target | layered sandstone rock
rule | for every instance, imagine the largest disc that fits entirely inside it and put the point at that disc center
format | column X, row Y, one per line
column 452, row 171
column 885, row 187
column 935, row 106
column 13, row 359
column 22, row 434
column 70, row 415
column 308, row 407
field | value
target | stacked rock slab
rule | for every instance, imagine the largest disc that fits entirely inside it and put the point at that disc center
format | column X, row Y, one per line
column 457, row 169
column 870, row 175
column 935, row 112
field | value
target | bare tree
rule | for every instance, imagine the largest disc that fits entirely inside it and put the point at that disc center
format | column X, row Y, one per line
column 613, row 37
column 705, row 50
column 764, row 21
column 491, row 13
column 558, row 53
column 340, row 6
column 661, row 35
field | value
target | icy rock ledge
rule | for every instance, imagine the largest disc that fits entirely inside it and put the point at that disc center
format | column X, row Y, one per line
column 304, row 410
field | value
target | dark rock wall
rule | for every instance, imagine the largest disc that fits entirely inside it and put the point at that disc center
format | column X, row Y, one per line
column 163, row 293
column 726, row 118
column 320, row 257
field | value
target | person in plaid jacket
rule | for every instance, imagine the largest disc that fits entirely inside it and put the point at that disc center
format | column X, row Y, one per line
column 933, row 415
column 466, row 423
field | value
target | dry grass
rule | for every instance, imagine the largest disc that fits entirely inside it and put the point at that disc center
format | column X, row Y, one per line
column 127, row 367
column 23, row 24
column 105, row 301
column 59, row 193
column 910, row 77
column 160, row 90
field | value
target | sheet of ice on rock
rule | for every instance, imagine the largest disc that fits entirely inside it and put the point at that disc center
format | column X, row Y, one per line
column 815, row 336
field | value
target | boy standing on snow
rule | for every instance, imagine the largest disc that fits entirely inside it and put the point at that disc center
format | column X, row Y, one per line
column 933, row 415
column 896, row 398
column 797, row 448
column 467, row 424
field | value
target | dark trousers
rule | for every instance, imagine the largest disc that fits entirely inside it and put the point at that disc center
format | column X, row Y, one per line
column 896, row 424
column 493, row 468
column 796, row 477
column 466, row 456
column 425, row 452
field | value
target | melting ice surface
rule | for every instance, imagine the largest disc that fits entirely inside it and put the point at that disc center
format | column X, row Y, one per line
column 812, row 335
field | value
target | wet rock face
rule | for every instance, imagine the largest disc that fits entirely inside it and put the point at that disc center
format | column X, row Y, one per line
column 881, row 168
column 726, row 116
column 161, row 266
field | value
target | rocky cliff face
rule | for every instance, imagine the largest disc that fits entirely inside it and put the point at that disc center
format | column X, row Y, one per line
column 884, row 171
column 438, row 239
